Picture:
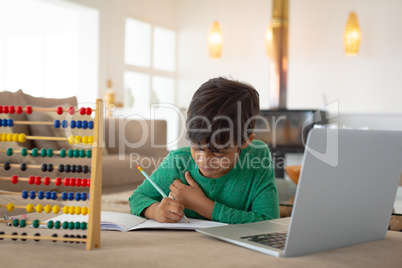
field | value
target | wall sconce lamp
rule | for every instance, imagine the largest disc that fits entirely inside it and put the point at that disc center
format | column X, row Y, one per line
column 215, row 41
column 352, row 35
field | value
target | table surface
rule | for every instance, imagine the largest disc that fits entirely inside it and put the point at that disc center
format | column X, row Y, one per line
column 168, row 248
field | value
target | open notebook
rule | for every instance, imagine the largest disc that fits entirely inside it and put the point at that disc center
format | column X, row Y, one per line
column 127, row 222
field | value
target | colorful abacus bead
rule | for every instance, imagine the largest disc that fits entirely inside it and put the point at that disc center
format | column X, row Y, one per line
column 34, row 152
column 43, row 152
column 11, row 109
column 57, row 181
column 32, row 194
column 10, row 206
column 71, row 110
column 82, row 111
column 41, row 195
column 43, row 167
column 14, row 234
column 37, row 235
column 83, row 196
column 35, row 223
column 72, row 124
column 57, row 224
column 28, row 109
column 24, row 194
column 71, row 140
column 84, row 210
column 18, row 109
column 29, row 208
column 64, row 124
column 24, row 234
column 31, row 179
column 71, row 211
column 16, row 222
column 56, row 209
column 54, row 235
column 39, row 208
column 9, row 151
column 24, row 152
column 88, row 111
column 23, row 166
column 66, row 209
column 56, row 123
column 91, row 125
column 59, row 110
column 48, row 209
column 63, row 153
column 14, row 179
column 46, row 181
column 23, row 223
column 21, row 138
column 50, row 224
column 6, row 166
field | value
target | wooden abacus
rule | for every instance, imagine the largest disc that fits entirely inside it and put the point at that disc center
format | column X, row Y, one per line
column 92, row 239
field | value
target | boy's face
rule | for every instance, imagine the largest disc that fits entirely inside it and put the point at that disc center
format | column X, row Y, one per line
column 216, row 164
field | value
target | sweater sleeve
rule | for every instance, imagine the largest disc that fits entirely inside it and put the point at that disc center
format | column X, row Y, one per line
column 145, row 194
column 265, row 204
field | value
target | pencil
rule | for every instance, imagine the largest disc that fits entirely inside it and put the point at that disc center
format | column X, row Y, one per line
column 155, row 185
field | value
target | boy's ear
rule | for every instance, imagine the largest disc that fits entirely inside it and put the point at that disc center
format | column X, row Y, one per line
column 247, row 142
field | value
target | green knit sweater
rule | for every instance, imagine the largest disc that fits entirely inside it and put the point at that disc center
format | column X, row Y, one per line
column 247, row 193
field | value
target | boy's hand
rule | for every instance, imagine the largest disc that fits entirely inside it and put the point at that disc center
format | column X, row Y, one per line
column 191, row 196
column 168, row 210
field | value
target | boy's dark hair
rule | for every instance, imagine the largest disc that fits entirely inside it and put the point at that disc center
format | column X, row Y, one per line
column 222, row 113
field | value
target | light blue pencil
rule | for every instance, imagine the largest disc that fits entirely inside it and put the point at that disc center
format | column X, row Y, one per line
column 155, row 185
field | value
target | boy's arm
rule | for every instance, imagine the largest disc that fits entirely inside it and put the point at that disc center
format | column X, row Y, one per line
column 265, row 204
column 192, row 196
column 146, row 195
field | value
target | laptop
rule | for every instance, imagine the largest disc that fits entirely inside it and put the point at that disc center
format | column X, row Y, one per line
column 345, row 195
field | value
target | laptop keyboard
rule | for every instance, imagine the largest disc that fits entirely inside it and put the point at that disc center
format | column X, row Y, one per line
column 276, row 240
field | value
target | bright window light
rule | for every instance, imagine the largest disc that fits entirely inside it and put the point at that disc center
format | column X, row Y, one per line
column 138, row 43
column 138, row 84
column 164, row 89
column 49, row 49
column 164, row 57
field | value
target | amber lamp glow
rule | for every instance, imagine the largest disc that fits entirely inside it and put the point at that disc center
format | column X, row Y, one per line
column 268, row 40
column 352, row 35
column 215, row 41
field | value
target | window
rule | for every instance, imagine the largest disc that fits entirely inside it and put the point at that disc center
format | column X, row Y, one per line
column 48, row 49
column 150, row 74
column 150, row 59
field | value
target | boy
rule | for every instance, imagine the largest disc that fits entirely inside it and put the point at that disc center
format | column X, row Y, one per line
column 224, row 175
